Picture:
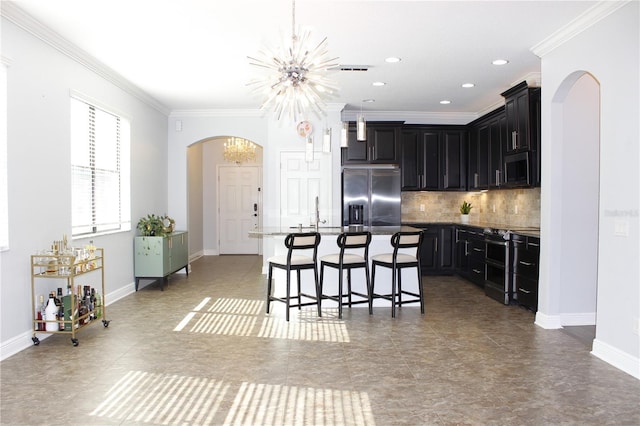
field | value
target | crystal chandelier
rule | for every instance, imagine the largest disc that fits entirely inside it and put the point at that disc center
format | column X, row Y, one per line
column 238, row 150
column 297, row 80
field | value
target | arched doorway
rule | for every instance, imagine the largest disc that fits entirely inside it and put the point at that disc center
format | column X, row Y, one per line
column 205, row 161
column 571, row 293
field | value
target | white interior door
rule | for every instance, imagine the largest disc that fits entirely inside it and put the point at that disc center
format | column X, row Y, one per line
column 300, row 183
column 239, row 206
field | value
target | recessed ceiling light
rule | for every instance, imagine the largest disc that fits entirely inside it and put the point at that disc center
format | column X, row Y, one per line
column 368, row 101
column 392, row 60
column 468, row 85
column 500, row 62
column 379, row 83
column 445, row 102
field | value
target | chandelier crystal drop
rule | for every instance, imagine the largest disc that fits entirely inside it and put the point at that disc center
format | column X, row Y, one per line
column 238, row 150
column 296, row 80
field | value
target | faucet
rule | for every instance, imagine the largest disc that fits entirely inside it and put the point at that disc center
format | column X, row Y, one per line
column 318, row 221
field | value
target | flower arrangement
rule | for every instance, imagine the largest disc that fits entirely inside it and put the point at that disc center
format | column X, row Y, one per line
column 155, row 226
column 465, row 208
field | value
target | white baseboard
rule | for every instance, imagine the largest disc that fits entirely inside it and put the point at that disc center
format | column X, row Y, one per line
column 548, row 321
column 23, row 341
column 565, row 320
column 617, row 358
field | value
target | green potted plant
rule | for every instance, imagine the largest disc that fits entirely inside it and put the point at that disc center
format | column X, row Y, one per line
column 465, row 209
column 155, row 226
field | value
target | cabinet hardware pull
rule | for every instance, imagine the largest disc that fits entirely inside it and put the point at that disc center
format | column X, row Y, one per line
column 475, row 180
column 497, row 177
column 514, row 139
column 524, row 291
column 477, row 271
column 534, row 244
column 466, row 248
column 522, row 262
column 478, row 249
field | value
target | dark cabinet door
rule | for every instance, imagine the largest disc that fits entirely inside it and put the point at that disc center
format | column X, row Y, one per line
column 518, row 109
column 382, row 144
column 453, row 160
column 431, row 146
column 429, row 252
column 446, row 249
column 478, row 176
column 497, row 147
column 356, row 151
column 411, row 160
column 419, row 160
column 437, row 254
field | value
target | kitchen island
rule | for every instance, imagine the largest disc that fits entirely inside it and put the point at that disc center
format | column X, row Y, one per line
column 273, row 245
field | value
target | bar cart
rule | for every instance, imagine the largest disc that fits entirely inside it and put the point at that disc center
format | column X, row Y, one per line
column 67, row 266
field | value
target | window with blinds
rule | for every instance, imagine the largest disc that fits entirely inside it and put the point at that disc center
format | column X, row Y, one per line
column 99, row 170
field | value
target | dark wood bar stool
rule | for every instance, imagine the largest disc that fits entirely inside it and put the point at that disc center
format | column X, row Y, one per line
column 354, row 253
column 292, row 261
column 397, row 262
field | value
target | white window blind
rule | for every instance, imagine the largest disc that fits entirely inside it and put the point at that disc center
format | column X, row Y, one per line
column 100, row 179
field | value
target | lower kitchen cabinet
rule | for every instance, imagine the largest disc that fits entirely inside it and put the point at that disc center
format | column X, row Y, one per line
column 437, row 254
column 158, row 257
column 526, row 258
column 470, row 250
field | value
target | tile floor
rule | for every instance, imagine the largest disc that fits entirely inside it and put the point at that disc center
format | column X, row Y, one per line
column 204, row 352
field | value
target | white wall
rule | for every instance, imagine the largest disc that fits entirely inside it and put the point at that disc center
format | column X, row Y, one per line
column 39, row 173
column 609, row 50
column 196, row 200
column 274, row 137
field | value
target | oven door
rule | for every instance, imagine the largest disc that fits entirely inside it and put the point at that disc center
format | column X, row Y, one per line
column 496, row 278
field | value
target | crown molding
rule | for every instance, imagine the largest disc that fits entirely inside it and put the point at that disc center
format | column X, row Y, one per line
column 23, row 20
column 413, row 117
column 587, row 19
column 253, row 112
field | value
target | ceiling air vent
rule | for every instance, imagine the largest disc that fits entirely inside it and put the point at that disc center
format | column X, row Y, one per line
column 352, row 67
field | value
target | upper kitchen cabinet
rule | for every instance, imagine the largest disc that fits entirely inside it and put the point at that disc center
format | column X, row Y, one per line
column 433, row 158
column 522, row 108
column 487, row 138
column 522, row 111
column 381, row 147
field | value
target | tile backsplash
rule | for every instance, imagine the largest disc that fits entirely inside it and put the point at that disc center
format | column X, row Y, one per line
column 515, row 207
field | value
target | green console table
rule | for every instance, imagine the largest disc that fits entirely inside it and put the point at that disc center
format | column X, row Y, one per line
column 159, row 257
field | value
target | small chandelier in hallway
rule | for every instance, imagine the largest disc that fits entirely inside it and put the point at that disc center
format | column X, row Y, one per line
column 238, row 150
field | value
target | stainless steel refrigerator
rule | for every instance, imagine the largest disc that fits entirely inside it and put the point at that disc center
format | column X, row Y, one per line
column 377, row 190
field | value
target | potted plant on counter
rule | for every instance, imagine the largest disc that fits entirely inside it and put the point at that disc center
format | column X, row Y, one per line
column 465, row 209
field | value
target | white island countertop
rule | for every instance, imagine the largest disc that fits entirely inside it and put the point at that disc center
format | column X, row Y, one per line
column 330, row 230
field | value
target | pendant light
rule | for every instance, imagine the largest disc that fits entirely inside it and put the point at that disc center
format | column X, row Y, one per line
column 344, row 135
column 361, row 126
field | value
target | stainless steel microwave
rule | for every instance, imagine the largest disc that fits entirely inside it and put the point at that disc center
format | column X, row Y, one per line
column 517, row 169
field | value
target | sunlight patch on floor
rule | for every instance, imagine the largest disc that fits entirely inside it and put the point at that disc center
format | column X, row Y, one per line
column 162, row 399
column 168, row 399
column 266, row 404
column 243, row 317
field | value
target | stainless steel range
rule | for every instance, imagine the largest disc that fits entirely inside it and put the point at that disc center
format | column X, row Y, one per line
column 497, row 275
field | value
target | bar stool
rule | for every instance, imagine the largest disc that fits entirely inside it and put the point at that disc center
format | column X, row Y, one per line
column 348, row 260
column 296, row 262
column 397, row 262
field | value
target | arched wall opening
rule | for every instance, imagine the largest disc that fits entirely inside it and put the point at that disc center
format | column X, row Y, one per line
column 204, row 157
column 575, row 195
